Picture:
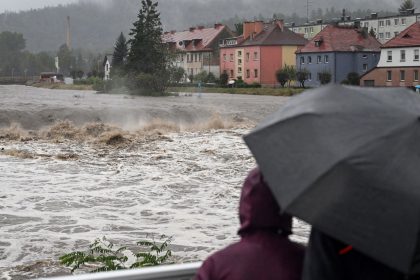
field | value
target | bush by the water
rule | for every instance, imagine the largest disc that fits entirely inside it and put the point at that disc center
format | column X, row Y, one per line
column 106, row 256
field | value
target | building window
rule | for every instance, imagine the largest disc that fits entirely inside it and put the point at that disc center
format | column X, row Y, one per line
column 366, row 24
column 402, row 75
column 395, row 33
column 388, row 22
column 396, row 21
column 231, row 57
column 224, row 57
column 195, row 57
column 239, row 70
column 365, row 67
column 302, row 60
column 326, row 60
column 247, row 56
column 389, row 76
column 239, row 61
column 311, row 30
column 381, row 35
column 309, row 59
column 248, row 73
column 364, row 56
column 389, row 59
column 255, row 55
column 239, row 53
column 402, row 55
column 231, row 73
column 416, row 55
column 381, row 23
column 416, row 75
column 310, row 76
column 256, row 73
column 403, row 21
column 388, row 35
column 318, row 59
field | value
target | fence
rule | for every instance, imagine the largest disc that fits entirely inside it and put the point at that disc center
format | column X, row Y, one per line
column 167, row 272
column 17, row 80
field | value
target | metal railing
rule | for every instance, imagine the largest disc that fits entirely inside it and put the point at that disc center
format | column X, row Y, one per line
column 167, row 272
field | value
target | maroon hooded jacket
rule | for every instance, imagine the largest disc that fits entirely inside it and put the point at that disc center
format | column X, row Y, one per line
column 265, row 251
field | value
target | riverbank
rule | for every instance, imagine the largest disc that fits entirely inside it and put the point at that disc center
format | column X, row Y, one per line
column 246, row 91
column 62, row 86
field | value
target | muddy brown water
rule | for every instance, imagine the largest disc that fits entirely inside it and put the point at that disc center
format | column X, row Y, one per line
column 76, row 166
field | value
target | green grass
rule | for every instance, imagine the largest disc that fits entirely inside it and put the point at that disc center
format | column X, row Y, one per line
column 249, row 91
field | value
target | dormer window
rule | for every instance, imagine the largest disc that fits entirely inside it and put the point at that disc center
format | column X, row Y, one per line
column 318, row 42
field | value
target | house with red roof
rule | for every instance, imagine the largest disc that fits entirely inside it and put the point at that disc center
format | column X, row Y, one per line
column 399, row 65
column 198, row 48
column 256, row 55
column 338, row 50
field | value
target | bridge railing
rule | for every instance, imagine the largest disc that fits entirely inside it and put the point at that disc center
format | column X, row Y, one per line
column 167, row 272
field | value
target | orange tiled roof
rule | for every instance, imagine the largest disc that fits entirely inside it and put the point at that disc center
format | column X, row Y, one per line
column 341, row 39
column 408, row 37
column 195, row 39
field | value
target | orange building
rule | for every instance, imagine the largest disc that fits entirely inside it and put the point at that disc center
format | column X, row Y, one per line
column 263, row 49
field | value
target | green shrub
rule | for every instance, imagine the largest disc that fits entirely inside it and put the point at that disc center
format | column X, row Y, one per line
column 107, row 256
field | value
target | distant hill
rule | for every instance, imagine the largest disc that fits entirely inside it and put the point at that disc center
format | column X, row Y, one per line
column 96, row 24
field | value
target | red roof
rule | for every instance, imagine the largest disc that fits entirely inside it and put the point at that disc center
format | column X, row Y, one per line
column 341, row 39
column 195, row 39
column 408, row 37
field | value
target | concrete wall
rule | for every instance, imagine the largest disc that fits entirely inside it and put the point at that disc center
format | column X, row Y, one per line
column 226, row 64
column 271, row 61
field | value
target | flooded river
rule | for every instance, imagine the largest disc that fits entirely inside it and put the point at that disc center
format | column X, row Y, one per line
column 75, row 166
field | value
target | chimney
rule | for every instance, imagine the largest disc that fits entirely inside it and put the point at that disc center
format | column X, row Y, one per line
column 173, row 31
column 68, row 41
column 374, row 15
column 252, row 28
column 280, row 23
column 218, row 25
column 200, row 27
column 192, row 29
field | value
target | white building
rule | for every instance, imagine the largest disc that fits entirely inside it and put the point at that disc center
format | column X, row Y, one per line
column 107, row 67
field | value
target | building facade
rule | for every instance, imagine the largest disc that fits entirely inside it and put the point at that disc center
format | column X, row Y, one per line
column 263, row 49
column 399, row 65
column 197, row 49
column 338, row 50
column 385, row 28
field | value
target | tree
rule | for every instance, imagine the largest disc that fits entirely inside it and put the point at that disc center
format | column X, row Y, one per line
column 302, row 75
column 291, row 73
column 324, row 77
column 177, row 74
column 224, row 78
column 148, row 55
column 120, row 53
column 65, row 59
column 353, row 78
column 282, row 76
column 406, row 5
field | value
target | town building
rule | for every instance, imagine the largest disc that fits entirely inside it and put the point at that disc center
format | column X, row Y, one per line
column 385, row 28
column 256, row 55
column 107, row 64
column 399, row 65
column 338, row 50
column 197, row 49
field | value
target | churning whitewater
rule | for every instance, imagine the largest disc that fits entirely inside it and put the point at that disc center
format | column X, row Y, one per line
column 76, row 166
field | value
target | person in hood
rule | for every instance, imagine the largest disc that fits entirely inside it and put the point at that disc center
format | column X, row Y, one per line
column 330, row 259
column 264, row 251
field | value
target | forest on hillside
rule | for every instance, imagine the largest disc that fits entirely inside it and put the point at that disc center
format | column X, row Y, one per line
column 95, row 25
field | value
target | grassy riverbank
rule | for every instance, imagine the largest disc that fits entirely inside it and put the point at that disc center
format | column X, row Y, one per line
column 63, row 86
column 249, row 91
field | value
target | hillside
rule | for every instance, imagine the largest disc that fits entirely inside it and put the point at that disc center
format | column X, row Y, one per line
column 96, row 24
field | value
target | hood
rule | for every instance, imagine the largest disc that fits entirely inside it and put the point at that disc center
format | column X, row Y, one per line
column 258, row 209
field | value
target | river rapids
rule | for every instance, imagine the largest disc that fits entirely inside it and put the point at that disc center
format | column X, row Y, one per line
column 75, row 166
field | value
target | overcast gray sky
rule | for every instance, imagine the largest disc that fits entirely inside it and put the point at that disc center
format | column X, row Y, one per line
column 20, row 5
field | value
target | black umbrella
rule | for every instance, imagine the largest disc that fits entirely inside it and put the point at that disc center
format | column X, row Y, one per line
column 347, row 160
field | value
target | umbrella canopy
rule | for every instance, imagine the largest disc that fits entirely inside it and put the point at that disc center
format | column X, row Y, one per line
column 347, row 160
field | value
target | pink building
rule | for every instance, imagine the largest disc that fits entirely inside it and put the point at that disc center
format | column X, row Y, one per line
column 263, row 49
